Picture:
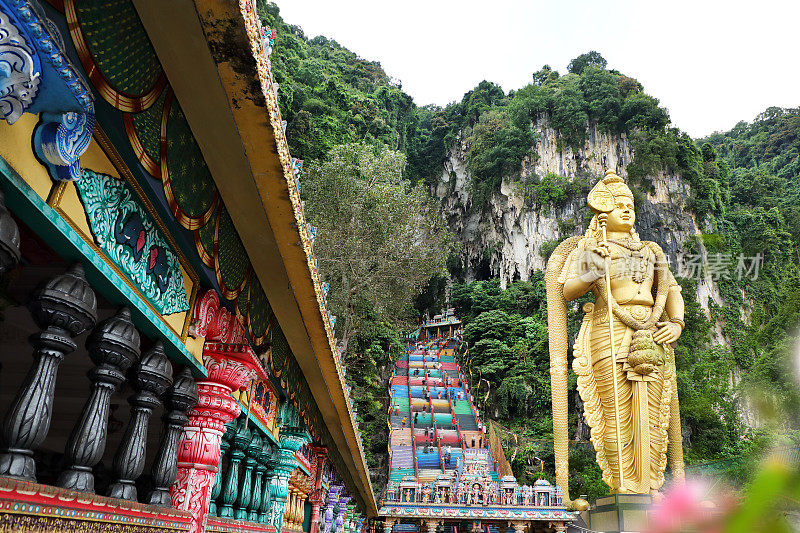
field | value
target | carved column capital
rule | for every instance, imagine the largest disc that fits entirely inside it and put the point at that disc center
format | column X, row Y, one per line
column 431, row 525
column 215, row 323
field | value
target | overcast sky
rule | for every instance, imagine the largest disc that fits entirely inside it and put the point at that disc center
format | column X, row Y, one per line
column 711, row 63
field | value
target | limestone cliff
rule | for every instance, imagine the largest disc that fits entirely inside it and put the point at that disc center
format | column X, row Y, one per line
column 509, row 238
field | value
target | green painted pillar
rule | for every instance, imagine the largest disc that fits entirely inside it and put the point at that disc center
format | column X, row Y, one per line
column 258, row 489
column 245, row 486
column 223, row 447
column 263, row 511
column 284, row 462
column 348, row 517
column 230, row 487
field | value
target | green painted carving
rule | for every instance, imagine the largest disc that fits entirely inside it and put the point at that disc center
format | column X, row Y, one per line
column 223, row 447
column 128, row 236
column 246, row 491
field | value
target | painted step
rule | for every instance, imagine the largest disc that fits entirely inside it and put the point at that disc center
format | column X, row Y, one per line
column 426, row 475
column 418, row 404
column 457, row 393
column 397, row 473
column 402, row 403
column 399, row 391
column 397, row 420
column 470, row 436
column 428, row 460
column 423, row 419
column 401, row 437
column 441, row 406
column 448, row 436
column 402, row 457
column 467, row 422
column 462, row 407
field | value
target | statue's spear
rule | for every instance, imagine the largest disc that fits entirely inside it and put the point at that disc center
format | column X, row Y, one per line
column 602, row 200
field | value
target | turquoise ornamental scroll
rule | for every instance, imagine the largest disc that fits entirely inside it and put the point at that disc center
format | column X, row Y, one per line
column 126, row 233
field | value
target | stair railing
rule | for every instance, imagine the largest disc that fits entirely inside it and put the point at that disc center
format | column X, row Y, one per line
column 411, row 422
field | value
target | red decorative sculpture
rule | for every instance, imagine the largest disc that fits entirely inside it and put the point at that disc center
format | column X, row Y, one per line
column 214, row 322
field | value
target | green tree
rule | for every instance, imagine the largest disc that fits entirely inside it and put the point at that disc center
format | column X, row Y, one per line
column 380, row 239
column 589, row 59
column 602, row 93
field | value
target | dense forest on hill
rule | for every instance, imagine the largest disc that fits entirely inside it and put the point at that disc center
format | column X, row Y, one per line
column 745, row 194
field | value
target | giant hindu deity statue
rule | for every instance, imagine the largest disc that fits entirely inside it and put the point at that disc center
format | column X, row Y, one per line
column 624, row 355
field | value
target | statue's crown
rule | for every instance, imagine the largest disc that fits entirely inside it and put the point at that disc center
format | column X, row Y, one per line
column 603, row 196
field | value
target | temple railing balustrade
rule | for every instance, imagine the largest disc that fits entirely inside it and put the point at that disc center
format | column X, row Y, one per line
column 63, row 309
column 169, row 476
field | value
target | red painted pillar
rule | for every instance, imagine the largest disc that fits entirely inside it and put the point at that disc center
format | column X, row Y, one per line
column 198, row 450
column 317, row 493
column 231, row 366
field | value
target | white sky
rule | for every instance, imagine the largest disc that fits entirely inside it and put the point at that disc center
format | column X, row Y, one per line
column 711, row 63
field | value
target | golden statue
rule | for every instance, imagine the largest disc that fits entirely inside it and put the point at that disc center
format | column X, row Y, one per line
column 626, row 365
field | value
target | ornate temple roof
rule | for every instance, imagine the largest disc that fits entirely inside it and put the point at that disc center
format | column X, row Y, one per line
column 212, row 53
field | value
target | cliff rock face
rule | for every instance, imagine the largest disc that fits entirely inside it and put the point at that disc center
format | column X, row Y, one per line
column 506, row 238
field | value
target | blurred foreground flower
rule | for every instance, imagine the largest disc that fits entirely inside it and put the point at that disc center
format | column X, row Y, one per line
column 690, row 506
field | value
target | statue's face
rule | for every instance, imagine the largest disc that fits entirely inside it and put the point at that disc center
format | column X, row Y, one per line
column 623, row 216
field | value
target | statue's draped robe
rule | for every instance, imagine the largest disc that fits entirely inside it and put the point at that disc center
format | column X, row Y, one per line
column 644, row 401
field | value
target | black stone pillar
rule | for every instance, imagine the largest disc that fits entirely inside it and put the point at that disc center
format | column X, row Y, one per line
column 9, row 239
column 153, row 376
column 113, row 346
column 181, row 397
column 65, row 307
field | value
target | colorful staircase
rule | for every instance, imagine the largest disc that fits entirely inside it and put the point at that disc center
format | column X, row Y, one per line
column 432, row 415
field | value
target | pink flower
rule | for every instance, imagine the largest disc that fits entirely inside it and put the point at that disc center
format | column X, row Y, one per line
column 684, row 506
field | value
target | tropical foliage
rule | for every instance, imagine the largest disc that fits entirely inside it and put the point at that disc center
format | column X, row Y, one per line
column 371, row 153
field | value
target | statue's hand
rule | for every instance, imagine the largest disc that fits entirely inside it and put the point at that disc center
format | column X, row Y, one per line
column 593, row 263
column 667, row 332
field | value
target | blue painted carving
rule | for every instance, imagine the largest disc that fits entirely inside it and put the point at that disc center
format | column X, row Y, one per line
column 36, row 76
column 128, row 236
column 20, row 71
column 60, row 140
column 61, row 87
